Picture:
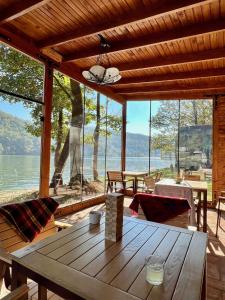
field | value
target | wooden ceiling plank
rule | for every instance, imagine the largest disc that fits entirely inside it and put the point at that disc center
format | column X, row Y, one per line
column 19, row 9
column 137, row 15
column 170, row 77
column 173, row 60
column 174, row 88
column 153, row 39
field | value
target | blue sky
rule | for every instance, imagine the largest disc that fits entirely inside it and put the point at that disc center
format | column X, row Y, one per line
column 138, row 116
column 16, row 110
column 137, row 113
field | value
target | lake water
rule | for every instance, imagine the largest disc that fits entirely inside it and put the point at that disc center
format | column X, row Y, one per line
column 18, row 172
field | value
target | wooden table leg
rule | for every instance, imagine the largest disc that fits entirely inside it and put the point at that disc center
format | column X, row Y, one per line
column 205, row 212
column 42, row 292
column 18, row 278
column 199, row 210
column 204, row 283
column 135, row 185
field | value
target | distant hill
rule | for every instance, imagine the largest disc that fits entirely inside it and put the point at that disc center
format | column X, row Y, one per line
column 15, row 140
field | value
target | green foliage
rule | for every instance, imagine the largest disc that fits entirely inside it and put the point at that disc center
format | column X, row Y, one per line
column 24, row 76
column 165, row 122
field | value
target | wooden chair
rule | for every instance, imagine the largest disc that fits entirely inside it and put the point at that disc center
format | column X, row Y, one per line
column 115, row 177
column 221, row 199
column 11, row 241
column 18, row 294
column 192, row 177
column 196, row 200
column 149, row 184
column 158, row 176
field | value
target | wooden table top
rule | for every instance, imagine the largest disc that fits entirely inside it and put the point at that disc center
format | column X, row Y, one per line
column 81, row 261
column 198, row 185
column 134, row 173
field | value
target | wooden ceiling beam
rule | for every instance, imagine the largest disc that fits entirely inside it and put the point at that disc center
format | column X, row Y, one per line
column 167, row 96
column 151, row 39
column 172, row 60
column 176, row 94
column 19, row 9
column 143, row 13
column 171, row 87
column 140, row 80
column 29, row 48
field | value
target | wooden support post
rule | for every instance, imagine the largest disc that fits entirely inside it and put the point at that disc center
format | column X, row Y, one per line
column 123, row 137
column 215, row 151
column 46, row 132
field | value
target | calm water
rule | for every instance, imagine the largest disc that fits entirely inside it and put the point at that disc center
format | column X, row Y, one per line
column 22, row 172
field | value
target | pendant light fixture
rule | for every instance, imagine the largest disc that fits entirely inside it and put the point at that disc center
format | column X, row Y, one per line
column 100, row 74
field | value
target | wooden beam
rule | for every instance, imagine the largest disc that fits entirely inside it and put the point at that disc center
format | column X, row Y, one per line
column 179, row 94
column 167, row 96
column 46, row 133
column 19, row 9
column 173, row 60
column 151, row 39
column 170, row 87
column 124, row 137
column 140, row 80
column 29, row 48
column 139, row 14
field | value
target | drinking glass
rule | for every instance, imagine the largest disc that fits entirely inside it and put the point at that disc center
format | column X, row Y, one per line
column 154, row 269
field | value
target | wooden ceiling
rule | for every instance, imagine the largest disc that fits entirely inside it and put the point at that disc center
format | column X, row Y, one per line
column 168, row 49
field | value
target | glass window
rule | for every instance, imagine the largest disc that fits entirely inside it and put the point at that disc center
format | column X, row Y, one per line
column 196, row 139
column 164, row 137
column 137, row 147
column 20, row 74
column 21, row 125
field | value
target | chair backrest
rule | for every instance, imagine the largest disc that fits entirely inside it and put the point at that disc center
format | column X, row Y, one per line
column 158, row 176
column 149, row 182
column 10, row 240
column 115, row 175
column 192, row 177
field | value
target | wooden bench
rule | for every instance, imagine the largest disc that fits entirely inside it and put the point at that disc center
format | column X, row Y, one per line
column 10, row 241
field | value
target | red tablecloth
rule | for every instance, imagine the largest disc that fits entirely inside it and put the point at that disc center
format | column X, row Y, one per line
column 159, row 208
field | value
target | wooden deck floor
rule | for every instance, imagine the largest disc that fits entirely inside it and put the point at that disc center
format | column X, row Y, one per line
column 216, row 253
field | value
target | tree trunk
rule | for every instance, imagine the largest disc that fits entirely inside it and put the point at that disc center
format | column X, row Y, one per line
column 75, row 133
column 72, row 142
column 59, row 138
column 96, row 139
column 195, row 112
column 61, row 162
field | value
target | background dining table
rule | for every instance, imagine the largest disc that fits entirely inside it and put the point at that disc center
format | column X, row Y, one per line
column 185, row 189
column 135, row 175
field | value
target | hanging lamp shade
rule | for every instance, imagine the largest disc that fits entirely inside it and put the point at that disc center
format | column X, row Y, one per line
column 99, row 74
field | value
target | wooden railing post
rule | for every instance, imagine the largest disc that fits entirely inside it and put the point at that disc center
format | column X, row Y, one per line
column 123, row 137
column 46, row 132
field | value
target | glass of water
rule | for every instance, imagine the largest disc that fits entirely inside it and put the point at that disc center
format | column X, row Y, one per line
column 154, row 269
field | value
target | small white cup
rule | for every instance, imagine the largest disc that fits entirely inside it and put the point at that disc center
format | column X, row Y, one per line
column 95, row 217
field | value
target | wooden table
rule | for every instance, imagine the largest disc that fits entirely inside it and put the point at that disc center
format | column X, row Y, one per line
column 78, row 263
column 201, row 187
column 135, row 175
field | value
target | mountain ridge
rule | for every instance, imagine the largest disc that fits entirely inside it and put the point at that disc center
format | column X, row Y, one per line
column 15, row 140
